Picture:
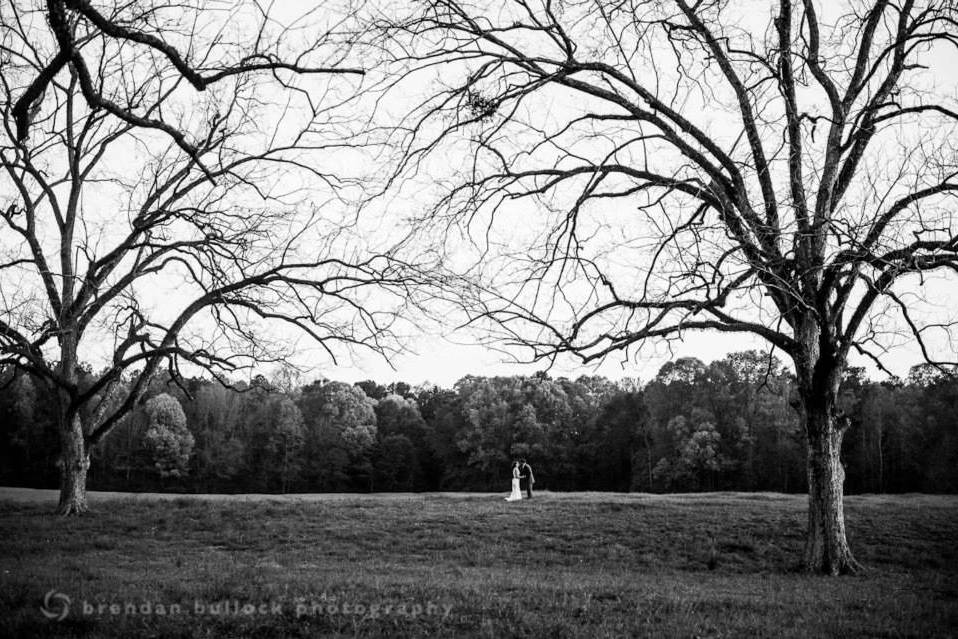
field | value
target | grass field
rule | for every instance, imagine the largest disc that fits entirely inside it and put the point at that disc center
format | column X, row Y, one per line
column 569, row 565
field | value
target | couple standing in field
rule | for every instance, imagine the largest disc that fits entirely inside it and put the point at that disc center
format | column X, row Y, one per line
column 522, row 480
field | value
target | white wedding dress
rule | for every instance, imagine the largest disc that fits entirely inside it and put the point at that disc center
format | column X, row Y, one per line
column 516, row 494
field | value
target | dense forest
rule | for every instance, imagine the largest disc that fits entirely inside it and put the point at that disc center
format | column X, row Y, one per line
column 728, row 425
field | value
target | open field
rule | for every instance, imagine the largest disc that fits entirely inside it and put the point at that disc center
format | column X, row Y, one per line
column 583, row 564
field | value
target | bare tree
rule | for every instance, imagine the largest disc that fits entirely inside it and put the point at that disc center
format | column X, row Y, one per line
column 147, row 224
column 691, row 166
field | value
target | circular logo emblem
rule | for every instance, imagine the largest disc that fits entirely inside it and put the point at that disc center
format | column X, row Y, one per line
column 56, row 605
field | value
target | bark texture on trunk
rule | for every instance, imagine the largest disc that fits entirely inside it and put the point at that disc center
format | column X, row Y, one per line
column 74, row 463
column 826, row 546
column 819, row 367
column 74, row 459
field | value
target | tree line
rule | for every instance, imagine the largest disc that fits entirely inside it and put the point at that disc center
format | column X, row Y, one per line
column 727, row 425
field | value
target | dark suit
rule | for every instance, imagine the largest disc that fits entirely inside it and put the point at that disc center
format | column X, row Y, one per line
column 526, row 480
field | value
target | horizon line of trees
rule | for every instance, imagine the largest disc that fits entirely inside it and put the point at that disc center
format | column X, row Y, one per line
column 727, row 425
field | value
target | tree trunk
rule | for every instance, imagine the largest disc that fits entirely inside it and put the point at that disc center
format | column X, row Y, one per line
column 74, row 463
column 826, row 547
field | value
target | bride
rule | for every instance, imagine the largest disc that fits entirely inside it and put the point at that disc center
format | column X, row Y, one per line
column 516, row 494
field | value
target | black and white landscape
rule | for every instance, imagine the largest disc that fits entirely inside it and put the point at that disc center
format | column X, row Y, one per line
column 473, row 318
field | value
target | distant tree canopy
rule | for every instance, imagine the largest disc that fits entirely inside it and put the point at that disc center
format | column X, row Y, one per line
column 727, row 425
column 168, row 438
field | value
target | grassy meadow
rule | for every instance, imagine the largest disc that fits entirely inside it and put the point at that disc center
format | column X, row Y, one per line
column 561, row 565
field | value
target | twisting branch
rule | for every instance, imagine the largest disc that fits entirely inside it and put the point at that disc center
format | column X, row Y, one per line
column 64, row 17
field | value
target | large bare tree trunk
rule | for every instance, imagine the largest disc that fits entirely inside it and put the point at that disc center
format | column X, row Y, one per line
column 826, row 547
column 819, row 368
column 74, row 464
column 74, row 459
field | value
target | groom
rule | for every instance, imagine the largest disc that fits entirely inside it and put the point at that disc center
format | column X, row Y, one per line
column 525, row 478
